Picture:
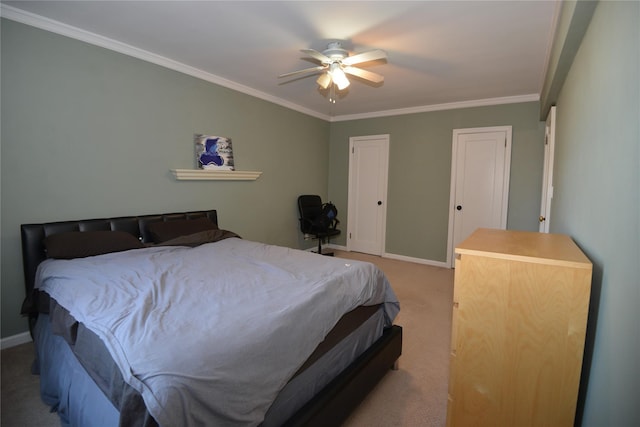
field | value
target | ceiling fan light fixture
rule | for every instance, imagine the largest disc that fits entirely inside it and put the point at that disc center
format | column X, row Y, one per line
column 338, row 76
column 324, row 80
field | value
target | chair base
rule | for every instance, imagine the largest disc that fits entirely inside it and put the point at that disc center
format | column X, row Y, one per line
column 325, row 253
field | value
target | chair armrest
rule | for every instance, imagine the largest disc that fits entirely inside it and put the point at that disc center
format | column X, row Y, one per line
column 305, row 225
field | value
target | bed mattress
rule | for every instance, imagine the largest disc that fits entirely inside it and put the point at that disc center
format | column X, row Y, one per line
column 81, row 383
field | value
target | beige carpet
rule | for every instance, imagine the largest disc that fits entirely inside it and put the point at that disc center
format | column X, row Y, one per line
column 414, row 395
column 21, row 405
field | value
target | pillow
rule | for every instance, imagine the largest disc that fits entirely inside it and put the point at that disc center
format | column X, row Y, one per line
column 163, row 231
column 199, row 238
column 80, row 244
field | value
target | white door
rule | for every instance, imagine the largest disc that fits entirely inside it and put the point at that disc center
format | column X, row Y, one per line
column 481, row 159
column 547, row 175
column 368, row 169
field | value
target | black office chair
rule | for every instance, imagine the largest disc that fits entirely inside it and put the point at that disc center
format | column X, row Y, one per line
column 314, row 222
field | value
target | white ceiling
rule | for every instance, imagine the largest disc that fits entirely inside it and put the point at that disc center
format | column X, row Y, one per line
column 440, row 53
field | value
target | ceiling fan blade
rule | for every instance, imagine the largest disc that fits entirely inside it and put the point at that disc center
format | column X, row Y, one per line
column 367, row 75
column 317, row 55
column 306, row 70
column 324, row 80
column 371, row 55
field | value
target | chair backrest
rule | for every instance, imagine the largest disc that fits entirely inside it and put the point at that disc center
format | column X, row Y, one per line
column 309, row 207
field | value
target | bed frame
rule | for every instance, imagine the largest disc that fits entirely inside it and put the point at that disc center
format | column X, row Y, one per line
column 329, row 407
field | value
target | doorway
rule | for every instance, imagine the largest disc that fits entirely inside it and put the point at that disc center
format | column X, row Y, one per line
column 368, row 171
column 547, row 175
column 480, row 169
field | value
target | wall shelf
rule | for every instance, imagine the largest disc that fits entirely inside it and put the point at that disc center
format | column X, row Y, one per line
column 208, row 174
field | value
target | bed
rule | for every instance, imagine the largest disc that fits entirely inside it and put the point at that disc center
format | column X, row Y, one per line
column 302, row 345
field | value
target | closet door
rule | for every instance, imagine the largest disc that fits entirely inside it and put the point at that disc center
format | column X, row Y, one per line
column 479, row 181
column 368, row 169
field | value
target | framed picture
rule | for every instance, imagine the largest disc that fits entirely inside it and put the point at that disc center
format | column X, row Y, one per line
column 214, row 152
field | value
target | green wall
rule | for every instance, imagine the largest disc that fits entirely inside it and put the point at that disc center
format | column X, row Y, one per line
column 87, row 132
column 420, row 172
column 597, row 202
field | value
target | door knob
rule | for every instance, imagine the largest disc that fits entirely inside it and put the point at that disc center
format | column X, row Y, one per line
column 379, row 202
column 541, row 218
column 459, row 207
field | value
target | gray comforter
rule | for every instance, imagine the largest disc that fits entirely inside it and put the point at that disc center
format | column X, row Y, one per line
column 209, row 335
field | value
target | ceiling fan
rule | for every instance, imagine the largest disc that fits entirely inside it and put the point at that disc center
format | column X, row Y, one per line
column 335, row 63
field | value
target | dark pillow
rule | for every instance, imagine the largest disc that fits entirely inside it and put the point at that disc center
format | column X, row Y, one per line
column 163, row 231
column 80, row 244
column 199, row 238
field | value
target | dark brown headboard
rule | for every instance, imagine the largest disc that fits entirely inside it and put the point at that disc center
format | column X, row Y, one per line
column 33, row 235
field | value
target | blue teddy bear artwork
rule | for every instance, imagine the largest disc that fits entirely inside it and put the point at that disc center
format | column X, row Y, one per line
column 214, row 152
column 210, row 154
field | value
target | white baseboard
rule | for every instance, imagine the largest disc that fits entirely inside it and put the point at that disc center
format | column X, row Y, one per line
column 15, row 340
column 338, row 247
column 398, row 257
column 416, row 260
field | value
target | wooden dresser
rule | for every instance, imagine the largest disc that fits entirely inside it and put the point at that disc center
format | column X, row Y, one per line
column 520, row 312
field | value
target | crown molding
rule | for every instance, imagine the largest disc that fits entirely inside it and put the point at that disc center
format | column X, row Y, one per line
column 57, row 27
column 439, row 107
column 63, row 29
